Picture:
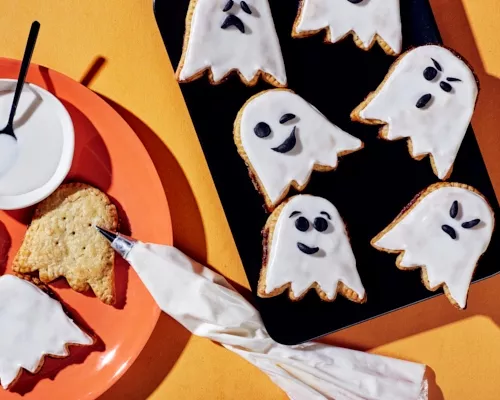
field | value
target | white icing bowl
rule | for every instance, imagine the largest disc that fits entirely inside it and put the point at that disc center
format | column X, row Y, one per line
column 34, row 166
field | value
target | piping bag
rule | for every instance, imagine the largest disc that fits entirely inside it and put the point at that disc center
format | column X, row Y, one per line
column 204, row 303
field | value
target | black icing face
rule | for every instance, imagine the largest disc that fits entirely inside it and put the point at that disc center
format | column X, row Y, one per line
column 263, row 130
column 435, row 74
column 303, row 225
column 232, row 19
column 454, row 211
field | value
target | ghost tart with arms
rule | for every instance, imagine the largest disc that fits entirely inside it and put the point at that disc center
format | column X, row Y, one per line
column 306, row 247
column 226, row 36
column 444, row 231
column 428, row 96
column 282, row 139
column 62, row 241
column 368, row 21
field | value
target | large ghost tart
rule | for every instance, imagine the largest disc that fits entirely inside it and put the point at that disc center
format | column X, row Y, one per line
column 369, row 21
column 32, row 325
column 444, row 231
column 306, row 246
column 429, row 97
column 225, row 36
column 282, row 139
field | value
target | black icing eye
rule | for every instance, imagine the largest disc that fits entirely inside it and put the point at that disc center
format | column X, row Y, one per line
column 450, row 231
column 320, row 224
column 262, row 130
column 244, row 7
column 430, row 73
column 302, row 224
column 471, row 224
column 445, row 86
column 454, row 209
column 286, row 117
column 228, row 6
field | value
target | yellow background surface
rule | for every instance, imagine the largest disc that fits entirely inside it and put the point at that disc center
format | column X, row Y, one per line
column 462, row 349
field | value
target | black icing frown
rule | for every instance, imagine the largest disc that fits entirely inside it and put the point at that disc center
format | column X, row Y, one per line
column 433, row 74
column 233, row 20
column 263, row 130
column 303, row 225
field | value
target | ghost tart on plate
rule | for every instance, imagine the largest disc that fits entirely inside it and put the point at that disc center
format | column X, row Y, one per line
column 428, row 96
column 225, row 36
column 368, row 21
column 444, row 231
column 306, row 247
column 282, row 139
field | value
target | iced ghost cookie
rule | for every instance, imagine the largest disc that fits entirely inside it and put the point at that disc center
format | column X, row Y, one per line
column 33, row 325
column 428, row 96
column 223, row 36
column 444, row 231
column 369, row 21
column 306, row 246
column 282, row 139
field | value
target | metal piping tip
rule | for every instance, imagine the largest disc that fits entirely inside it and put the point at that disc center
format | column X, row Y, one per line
column 107, row 234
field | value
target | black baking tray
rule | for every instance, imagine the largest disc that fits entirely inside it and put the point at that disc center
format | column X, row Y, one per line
column 369, row 188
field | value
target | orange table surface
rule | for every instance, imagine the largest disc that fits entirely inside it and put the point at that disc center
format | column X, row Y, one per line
column 114, row 47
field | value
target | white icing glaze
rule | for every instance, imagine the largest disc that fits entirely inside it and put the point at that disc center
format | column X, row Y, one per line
column 224, row 50
column 32, row 325
column 365, row 19
column 318, row 141
column 439, row 128
column 334, row 262
column 420, row 235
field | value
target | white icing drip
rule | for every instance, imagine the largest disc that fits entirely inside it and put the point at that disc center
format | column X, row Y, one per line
column 333, row 263
column 366, row 19
column 318, row 141
column 32, row 325
column 447, row 260
column 438, row 129
column 224, row 50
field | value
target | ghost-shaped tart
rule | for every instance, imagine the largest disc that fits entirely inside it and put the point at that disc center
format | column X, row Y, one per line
column 369, row 21
column 444, row 231
column 282, row 139
column 306, row 246
column 429, row 97
column 32, row 325
column 223, row 36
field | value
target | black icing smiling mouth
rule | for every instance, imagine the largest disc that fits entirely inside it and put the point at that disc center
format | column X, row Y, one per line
column 306, row 249
column 289, row 143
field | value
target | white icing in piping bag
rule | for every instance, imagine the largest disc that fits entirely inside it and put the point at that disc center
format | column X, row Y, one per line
column 204, row 302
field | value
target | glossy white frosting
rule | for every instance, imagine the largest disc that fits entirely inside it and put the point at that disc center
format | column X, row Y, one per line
column 334, row 262
column 318, row 141
column 439, row 128
column 225, row 50
column 32, row 325
column 420, row 235
column 366, row 19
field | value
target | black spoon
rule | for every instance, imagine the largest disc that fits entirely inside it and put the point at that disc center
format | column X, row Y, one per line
column 28, row 52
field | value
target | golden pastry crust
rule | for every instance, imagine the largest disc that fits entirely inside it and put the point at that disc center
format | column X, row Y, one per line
column 62, row 240
column 328, row 35
column 270, row 206
column 260, row 74
column 419, row 197
column 267, row 234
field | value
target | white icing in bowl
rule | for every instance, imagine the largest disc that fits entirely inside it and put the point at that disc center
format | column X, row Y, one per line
column 36, row 164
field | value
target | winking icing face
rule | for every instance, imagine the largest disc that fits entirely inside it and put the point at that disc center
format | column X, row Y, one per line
column 308, row 247
column 231, row 35
column 283, row 139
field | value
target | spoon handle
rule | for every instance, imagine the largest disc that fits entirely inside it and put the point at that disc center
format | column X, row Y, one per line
column 28, row 52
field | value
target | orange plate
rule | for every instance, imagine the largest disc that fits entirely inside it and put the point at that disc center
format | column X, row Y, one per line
column 109, row 156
